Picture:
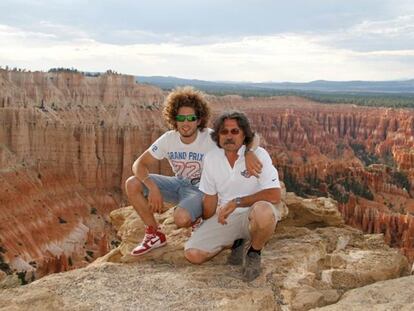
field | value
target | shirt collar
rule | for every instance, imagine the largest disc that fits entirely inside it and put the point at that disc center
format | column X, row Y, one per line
column 241, row 150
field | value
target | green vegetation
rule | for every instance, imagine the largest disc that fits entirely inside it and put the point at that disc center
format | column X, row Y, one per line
column 361, row 153
column 86, row 74
column 338, row 195
column 340, row 147
column 401, row 180
column 370, row 99
column 291, row 183
column 4, row 266
column 115, row 243
column 310, row 186
column 91, row 74
column 22, row 277
column 357, row 188
column 365, row 99
column 62, row 69
column 388, row 159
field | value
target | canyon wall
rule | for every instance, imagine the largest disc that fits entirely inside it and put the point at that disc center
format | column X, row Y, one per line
column 361, row 156
column 67, row 143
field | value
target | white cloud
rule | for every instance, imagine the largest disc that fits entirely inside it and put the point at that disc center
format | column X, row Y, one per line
column 15, row 34
column 283, row 57
column 60, row 31
column 399, row 26
column 395, row 34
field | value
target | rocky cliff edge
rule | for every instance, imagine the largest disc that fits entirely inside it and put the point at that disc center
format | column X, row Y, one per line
column 313, row 260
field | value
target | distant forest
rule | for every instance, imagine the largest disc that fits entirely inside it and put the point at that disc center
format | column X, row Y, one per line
column 360, row 99
column 364, row 99
column 377, row 99
column 392, row 94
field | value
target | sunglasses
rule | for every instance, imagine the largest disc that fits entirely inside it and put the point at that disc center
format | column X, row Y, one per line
column 189, row 118
column 233, row 131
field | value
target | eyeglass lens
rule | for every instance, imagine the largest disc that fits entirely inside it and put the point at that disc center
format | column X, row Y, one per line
column 233, row 131
column 182, row 118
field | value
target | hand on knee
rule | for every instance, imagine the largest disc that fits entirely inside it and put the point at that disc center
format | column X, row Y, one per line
column 196, row 256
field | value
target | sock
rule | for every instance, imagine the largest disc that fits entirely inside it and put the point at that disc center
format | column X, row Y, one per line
column 252, row 250
column 237, row 243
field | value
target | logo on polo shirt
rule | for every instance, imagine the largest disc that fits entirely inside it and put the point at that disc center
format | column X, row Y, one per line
column 245, row 174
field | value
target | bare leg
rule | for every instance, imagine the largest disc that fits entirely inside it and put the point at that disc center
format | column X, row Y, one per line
column 197, row 256
column 262, row 224
column 182, row 217
column 134, row 191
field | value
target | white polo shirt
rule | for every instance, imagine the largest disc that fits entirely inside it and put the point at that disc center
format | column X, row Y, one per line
column 220, row 178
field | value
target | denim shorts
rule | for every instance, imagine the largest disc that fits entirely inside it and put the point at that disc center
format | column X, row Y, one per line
column 179, row 191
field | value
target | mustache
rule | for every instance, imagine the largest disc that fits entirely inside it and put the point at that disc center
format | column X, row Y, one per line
column 229, row 141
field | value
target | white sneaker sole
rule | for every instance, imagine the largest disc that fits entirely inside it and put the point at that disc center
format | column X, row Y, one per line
column 148, row 250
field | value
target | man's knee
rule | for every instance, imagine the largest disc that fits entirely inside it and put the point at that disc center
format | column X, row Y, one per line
column 262, row 215
column 196, row 256
column 182, row 218
column 133, row 185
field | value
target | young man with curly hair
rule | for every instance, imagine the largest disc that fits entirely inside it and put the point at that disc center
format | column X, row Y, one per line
column 187, row 113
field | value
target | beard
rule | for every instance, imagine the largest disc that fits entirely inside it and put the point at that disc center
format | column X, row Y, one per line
column 229, row 145
column 188, row 133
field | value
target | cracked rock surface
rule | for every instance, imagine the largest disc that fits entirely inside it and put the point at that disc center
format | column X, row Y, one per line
column 305, row 266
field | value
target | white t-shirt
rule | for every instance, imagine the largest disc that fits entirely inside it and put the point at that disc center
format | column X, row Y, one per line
column 220, row 178
column 186, row 160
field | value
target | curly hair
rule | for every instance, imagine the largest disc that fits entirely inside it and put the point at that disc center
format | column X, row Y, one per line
column 186, row 97
column 242, row 122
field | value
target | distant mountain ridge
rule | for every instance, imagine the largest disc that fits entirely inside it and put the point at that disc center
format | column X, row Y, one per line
column 392, row 87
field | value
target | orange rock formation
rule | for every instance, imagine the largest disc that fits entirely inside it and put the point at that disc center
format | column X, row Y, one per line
column 67, row 143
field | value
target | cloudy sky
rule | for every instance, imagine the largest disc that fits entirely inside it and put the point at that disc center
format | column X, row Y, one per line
column 244, row 40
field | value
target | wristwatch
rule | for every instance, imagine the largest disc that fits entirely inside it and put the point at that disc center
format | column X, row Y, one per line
column 247, row 150
column 238, row 201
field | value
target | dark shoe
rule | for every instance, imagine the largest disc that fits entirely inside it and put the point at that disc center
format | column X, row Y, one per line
column 252, row 266
column 236, row 255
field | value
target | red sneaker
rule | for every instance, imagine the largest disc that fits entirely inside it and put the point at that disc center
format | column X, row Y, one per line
column 153, row 238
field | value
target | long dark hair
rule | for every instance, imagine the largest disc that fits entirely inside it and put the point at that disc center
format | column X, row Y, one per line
column 242, row 122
